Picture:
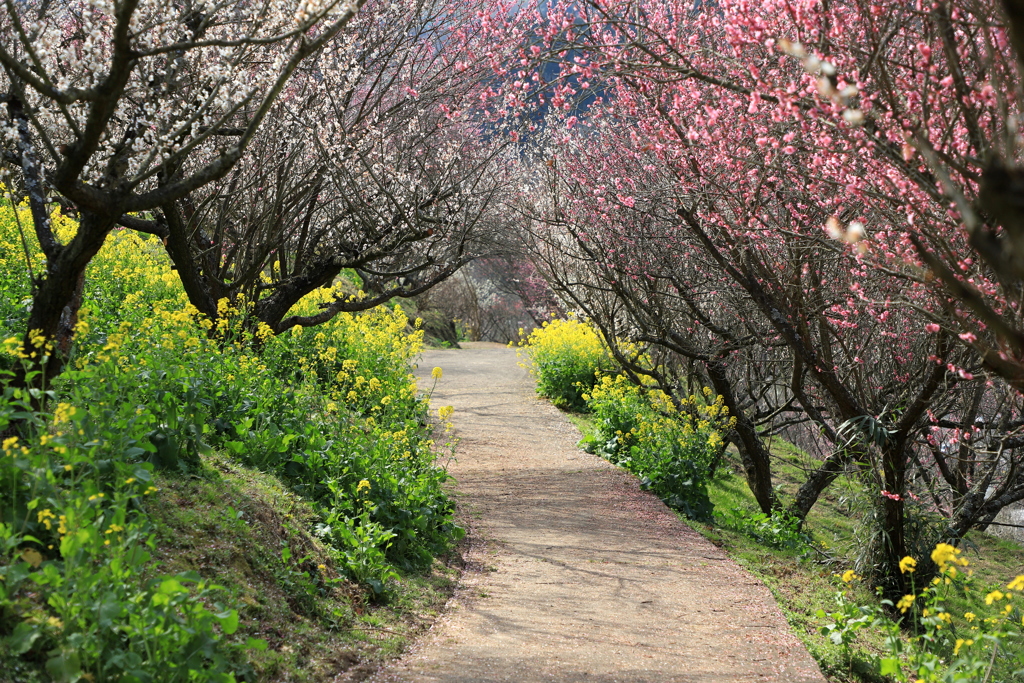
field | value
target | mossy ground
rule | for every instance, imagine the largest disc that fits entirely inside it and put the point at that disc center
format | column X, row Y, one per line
column 244, row 530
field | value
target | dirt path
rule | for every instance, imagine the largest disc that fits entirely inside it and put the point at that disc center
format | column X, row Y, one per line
column 574, row 573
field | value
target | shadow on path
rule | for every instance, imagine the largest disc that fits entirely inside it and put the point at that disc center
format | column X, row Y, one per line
column 575, row 574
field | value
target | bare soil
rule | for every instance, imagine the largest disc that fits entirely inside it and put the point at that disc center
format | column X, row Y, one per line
column 573, row 572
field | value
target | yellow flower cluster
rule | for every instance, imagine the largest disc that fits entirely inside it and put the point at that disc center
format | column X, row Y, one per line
column 696, row 414
column 946, row 558
column 908, row 564
column 945, row 555
column 63, row 413
column 568, row 337
column 45, row 517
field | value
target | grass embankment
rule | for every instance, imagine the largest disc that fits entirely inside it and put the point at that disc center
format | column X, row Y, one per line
column 250, row 533
column 802, row 571
column 201, row 500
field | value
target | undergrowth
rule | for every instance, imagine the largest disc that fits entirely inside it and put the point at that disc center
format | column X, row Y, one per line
column 673, row 449
column 852, row 634
column 810, row 575
column 567, row 357
column 198, row 499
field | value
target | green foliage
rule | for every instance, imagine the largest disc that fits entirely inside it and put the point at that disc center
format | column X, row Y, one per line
column 73, row 552
column 847, row 620
column 778, row 530
column 567, row 358
column 152, row 390
column 289, row 587
column 671, row 449
column 929, row 641
column 844, row 634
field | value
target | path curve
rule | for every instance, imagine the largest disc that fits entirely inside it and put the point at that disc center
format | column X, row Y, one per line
column 573, row 573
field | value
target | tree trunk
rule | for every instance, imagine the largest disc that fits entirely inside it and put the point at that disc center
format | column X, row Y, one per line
column 819, row 480
column 56, row 300
column 894, row 542
column 756, row 459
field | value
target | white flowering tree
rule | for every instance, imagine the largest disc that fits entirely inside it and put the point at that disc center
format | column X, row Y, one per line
column 375, row 158
column 115, row 108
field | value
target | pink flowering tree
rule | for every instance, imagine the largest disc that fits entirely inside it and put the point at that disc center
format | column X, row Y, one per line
column 830, row 173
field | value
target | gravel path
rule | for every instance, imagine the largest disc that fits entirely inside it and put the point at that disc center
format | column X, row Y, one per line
column 573, row 573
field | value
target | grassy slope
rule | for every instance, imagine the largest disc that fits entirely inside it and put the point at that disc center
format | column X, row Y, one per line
column 804, row 581
column 246, row 531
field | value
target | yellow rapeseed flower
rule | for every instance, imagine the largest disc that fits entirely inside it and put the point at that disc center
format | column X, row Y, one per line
column 263, row 331
column 63, row 413
column 905, row 602
column 436, row 373
column 945, row 554
column 907, row 564
column 45, row 517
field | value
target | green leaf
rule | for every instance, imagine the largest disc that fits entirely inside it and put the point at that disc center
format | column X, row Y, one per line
column 889, row 666
column 22, row 639
column 172, row 587
column 256, row 644
column 110, row 609
column 229, row 622
column 65, row 667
